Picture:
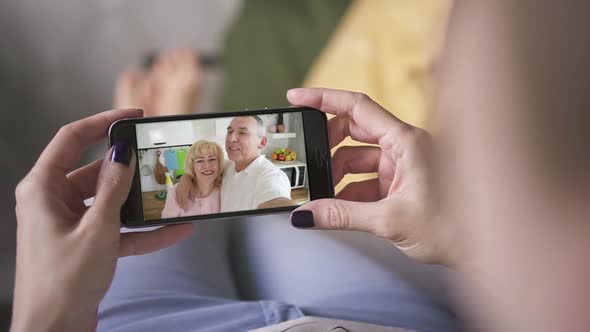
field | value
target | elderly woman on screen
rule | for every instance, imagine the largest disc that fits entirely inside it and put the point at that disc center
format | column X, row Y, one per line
column 203, row 168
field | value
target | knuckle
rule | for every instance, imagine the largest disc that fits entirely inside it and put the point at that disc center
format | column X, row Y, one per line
column 71, row 130
column 361, row 101
column 361, row 97
column 346, row 168
column 340, row 160
column 64, row 130
column 36, row 187
column 112, row 179
column 25, row 188
column 21, row 191
column 338, row 216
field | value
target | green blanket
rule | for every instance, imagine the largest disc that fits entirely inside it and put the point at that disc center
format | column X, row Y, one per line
column 271, row 46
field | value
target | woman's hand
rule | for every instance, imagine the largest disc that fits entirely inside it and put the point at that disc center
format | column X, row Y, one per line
column 401, row 204
column 67, row 252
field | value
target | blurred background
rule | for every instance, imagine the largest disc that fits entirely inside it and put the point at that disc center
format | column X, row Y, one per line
column 59, row 62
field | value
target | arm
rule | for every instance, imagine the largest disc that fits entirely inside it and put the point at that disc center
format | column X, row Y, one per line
column 519, row 136
column 64, row 264
column 182, row 192
column 171, row 208
column 273, row 190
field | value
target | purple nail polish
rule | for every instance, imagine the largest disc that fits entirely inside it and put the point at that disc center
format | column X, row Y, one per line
column 302, row 219
column 121, row 153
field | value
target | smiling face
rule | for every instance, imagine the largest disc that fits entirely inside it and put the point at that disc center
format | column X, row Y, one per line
column 206, row 166
column 204, row 163
column 244, row 140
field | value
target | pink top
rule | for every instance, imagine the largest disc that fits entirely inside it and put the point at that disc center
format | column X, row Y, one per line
column 195, row 206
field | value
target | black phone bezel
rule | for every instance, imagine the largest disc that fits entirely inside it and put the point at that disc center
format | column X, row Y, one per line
column 319, row 163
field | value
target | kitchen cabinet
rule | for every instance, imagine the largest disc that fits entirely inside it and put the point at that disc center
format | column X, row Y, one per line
column 153, row 135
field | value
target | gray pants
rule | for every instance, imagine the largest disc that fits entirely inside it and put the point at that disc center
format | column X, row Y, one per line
column 238, row 275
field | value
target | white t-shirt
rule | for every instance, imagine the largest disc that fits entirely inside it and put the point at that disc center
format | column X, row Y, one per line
column 260, row 182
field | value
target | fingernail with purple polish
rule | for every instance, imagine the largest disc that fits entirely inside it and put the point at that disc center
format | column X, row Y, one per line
column 121, row 153
column 302, row 219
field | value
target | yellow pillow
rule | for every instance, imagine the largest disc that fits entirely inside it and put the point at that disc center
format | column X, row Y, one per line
column 386, row 49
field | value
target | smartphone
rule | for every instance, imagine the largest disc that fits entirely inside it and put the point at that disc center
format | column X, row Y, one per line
column 224, row 165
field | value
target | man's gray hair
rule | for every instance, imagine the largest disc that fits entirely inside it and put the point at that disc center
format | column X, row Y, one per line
column 260, row 130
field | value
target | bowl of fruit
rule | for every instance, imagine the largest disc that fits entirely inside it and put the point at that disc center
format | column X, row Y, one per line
column 284, row 155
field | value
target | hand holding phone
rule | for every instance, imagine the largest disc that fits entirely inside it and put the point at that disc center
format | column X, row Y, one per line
column 62, row 240
column 399, row 205
column 226, row 164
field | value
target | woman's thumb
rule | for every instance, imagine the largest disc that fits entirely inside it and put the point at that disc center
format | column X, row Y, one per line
column 114, row 181
column 338, row 214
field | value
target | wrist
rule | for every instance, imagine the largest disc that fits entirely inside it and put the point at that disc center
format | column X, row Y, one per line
column 450, row 247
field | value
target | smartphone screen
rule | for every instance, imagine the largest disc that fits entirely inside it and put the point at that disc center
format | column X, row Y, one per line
column 224, row 165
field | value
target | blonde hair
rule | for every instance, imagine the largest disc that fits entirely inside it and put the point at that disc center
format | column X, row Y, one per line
column 197, row 149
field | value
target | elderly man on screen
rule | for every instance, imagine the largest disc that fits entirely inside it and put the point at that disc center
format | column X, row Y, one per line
column 250, row 180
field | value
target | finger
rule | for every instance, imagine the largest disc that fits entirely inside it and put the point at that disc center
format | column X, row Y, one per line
column 338, row 130
column 355, row 160
column 363, row 191
column 114, row 183
column 140, row 243
column 64, row 151
column 84, row 179
column 338, row 214
column 368, row 121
